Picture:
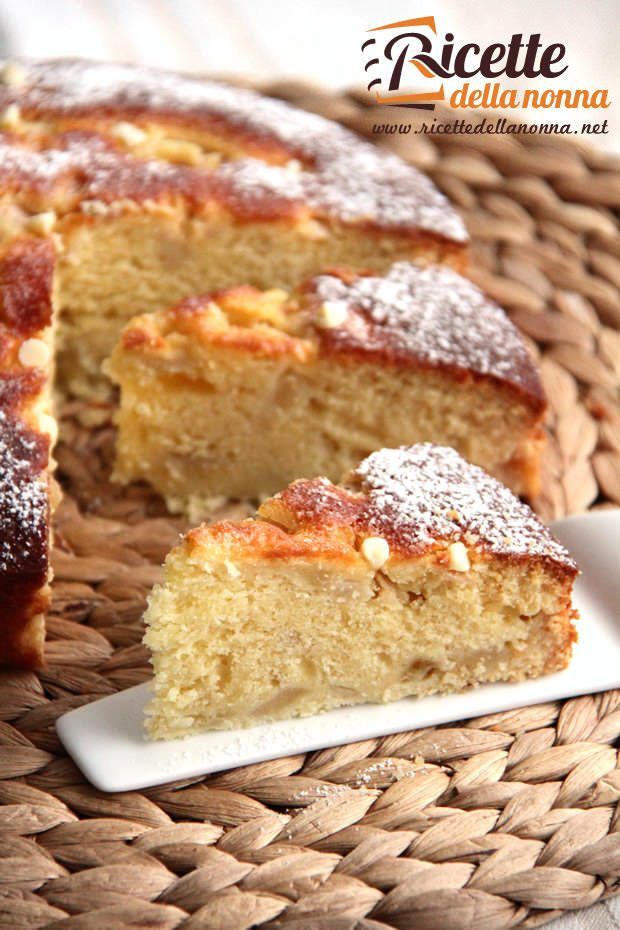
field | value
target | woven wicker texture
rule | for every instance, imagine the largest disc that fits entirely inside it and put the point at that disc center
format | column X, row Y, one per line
column 503, row 821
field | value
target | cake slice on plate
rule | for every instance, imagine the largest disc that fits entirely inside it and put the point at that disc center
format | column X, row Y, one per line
column 238, row 393
column 419, row 574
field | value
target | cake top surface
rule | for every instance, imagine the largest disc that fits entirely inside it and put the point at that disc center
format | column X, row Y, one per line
column 412, row 316
column 23, row 496
column 342, row 176
column 78, row 168
column 428, row 314
column 26, row 282
column 416, row 496
column 26, row 277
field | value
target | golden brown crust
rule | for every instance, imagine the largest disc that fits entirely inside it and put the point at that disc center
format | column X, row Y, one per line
column 200, row 319
column 26, row 272
column 82, row 172
column 470, row 339
column 24, row 519
column 428, row 318
column 252, row 538
column 421, row 499
column 283, row 163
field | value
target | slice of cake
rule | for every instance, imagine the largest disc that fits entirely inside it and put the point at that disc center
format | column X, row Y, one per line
column 420, row 574
column 27, row 430
column 241, row 392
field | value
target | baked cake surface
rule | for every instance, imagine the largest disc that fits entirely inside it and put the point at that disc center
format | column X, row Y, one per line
column 161, row 186
column 337, row 175
column 26, row 432
column 144, row 187
column 420, row 574
column 237, row 393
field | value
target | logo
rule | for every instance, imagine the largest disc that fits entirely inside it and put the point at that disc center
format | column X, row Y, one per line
column 394, row 51
column 401, row 56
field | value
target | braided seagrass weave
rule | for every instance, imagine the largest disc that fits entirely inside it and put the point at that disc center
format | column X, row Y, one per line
column 503, row 821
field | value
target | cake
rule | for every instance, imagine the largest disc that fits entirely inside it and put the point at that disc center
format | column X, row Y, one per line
column 237, row 393
column 144, row 187
column 161, row 186
column 419, row 574
column 27, row 429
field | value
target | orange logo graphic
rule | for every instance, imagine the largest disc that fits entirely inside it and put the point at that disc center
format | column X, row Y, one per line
column 391, row 55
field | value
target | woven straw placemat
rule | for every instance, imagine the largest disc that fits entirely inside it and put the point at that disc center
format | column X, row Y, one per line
column 498, row 822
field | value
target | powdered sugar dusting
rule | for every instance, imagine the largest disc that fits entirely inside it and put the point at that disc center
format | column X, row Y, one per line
column 423, row 493
column 84, row 167
column 23, row 499
column 348, row 179
column 433, row 315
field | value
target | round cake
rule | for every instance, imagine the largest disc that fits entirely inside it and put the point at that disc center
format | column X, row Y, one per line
column 124, row 190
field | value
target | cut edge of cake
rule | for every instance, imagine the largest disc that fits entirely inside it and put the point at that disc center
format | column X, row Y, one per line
column 344, row 364
column 418, row 575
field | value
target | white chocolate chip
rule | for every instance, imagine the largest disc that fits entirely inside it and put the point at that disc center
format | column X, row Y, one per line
column 49, row 426
column 128, row 133
column 187, row 153
column 331, row 314
column 34, row 353
column 10, row 117
column 13, row 74
column 294, row 165
column 313, row 230
column 376, row 551
column 94, row 207
column 459, row 559
column 42, row 224
column 231, row 568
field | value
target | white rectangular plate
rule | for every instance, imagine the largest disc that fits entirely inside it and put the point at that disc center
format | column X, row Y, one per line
column 106, row 740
